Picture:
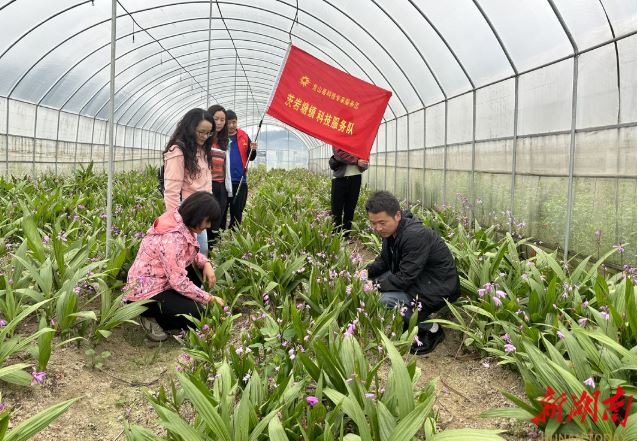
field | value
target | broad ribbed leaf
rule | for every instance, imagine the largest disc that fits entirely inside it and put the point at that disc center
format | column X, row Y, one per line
column 14, row 374
column 401, row 378
column 242, row 419
column 508, row 412
column 387, row 421
column 137, row 433
column 408, row 426
column 330, row 366
column 34, row 239
column 36, row 423
column 630, row 304
column 627, row 433
column 468, row 434
column 519, row 402
column 276, row 431
column 175, row 423
column 205, row 409
column 353, row 410
column 604, row 339
column 580, row 365
column 261, row 426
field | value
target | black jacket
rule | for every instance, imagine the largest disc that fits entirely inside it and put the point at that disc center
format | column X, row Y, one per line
column 339, row 161
column 420, row 264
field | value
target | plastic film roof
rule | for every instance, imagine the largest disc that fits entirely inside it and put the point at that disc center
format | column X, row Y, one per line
column 56, row 53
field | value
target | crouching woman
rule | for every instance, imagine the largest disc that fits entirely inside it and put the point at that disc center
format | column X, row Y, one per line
column 162, row 269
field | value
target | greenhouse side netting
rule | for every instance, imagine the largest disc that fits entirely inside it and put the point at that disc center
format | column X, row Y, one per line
column 548, row 152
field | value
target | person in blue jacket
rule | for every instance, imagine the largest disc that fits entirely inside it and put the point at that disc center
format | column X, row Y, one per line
column 242, row 150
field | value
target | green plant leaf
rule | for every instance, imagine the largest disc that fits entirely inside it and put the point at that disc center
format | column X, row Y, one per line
column 468, row 434
column 408, row 426
column 508, row 412
column 88, row 315
column 261, row 425
column 172, row 421
column 205, row 408
column 401, row 379
column 276, row 431
column 353, row 410
column 36, row 423
column 137, row 433
column 627, row 433
column 15, row 374
column 387, row 422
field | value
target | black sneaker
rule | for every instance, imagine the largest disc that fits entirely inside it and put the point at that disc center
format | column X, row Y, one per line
column 429, row 341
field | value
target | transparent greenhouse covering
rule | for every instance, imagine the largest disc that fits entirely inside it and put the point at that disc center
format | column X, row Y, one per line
column 524, row 111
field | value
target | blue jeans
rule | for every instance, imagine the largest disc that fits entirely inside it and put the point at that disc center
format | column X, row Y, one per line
column 392, row 299
column 202, row 240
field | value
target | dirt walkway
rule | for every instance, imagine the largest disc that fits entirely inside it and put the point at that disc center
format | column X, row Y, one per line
column 105, row 398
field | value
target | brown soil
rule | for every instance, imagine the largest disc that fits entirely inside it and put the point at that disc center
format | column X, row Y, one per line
column 469, row 385
column 106, row 397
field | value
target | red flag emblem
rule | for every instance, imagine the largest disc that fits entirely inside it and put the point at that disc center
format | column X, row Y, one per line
column 329, row 104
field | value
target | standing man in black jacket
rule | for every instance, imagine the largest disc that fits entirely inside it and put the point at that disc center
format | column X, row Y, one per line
column 415, row 270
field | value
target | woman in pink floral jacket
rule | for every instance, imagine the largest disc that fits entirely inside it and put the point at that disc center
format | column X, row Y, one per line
column 161, row 269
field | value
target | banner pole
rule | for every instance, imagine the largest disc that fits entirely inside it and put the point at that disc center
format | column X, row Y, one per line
column 272, row 95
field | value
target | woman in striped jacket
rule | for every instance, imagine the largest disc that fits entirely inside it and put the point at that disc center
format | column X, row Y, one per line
column 220, row 172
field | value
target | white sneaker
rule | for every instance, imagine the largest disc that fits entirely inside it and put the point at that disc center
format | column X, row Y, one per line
column 153, row 330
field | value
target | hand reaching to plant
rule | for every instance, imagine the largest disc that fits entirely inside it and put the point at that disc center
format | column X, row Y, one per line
column 219, row 300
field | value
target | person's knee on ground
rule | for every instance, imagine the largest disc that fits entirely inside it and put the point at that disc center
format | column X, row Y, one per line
column 429, row 335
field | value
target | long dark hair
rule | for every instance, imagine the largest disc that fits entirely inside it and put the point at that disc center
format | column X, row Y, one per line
column 222, row 137
column 185, row 138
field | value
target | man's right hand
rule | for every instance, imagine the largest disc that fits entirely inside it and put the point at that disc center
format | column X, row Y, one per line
column 362, row 163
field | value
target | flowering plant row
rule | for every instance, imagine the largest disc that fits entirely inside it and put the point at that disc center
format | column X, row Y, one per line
column 569, row 326
column 303, row 349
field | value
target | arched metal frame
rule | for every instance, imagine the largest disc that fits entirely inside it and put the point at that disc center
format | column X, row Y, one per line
column 234, row 19
column 176, row 99
column 150, row 84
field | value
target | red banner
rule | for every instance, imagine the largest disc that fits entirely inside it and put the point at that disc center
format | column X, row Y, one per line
column 329, row 104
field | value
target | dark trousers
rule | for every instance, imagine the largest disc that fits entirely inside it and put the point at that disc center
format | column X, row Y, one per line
column 169, row 304
column 237, row 203
column 343, row 200
column 406, row 304
column 221, row 195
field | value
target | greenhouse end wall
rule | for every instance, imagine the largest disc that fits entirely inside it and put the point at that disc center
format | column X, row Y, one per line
column 39, row 140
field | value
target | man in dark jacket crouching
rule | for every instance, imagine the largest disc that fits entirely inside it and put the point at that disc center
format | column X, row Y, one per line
column 415, row 270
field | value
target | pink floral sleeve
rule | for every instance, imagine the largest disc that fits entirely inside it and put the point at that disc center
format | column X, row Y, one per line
column 200, row 261
column 171, row 259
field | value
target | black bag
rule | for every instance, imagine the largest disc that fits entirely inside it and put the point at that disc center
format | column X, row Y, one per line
column 160, row 178
column 333, row 163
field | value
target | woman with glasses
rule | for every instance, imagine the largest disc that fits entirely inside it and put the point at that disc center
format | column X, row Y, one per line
column 187, row 160
column 222, row 184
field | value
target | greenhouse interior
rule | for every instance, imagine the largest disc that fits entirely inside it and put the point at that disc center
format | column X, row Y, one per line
column 505, row 128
